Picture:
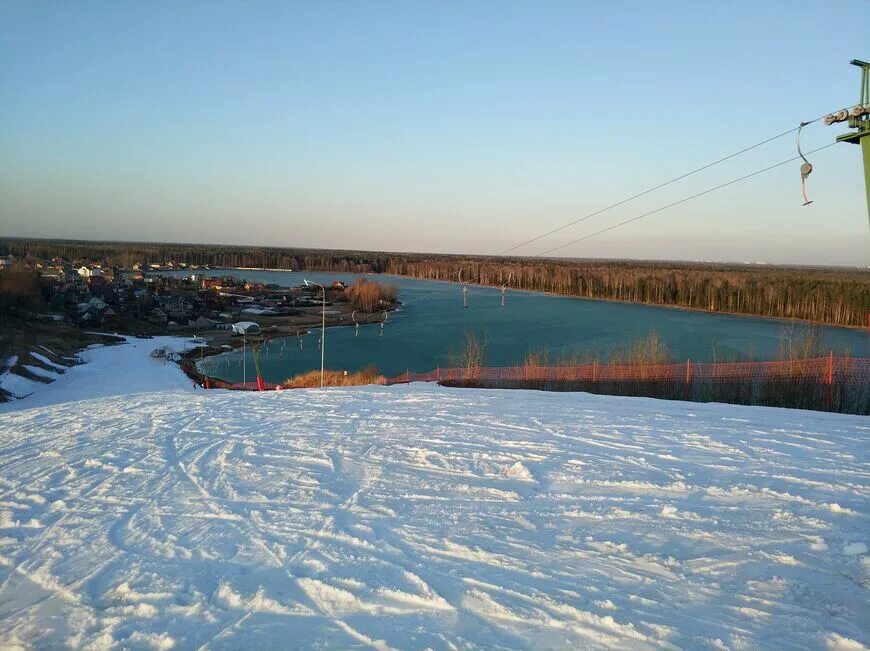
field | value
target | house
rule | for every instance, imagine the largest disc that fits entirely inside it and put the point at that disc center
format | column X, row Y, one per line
column 245, row 328
column 212, row 283
column 93, row 302
column 176, row 306
column 201, row 323
column 96, row 312
column 157, row 316
column 108, row 317
column 259, row 311
column 90, row 272
column 56, row 272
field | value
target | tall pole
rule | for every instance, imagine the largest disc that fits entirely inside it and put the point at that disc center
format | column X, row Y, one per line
column 322, row 330
column 322, row 336
column 858, row 117
column 244, row 357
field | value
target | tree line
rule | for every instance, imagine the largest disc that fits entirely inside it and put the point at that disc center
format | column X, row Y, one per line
column 823, row 295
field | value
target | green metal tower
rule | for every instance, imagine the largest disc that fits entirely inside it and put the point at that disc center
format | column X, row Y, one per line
column 858, row 117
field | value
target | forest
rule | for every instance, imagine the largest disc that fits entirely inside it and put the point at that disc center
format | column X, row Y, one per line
column 822, row 295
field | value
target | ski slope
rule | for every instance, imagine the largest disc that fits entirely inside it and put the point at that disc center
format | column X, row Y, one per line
column 106, row 371
column 419, row 517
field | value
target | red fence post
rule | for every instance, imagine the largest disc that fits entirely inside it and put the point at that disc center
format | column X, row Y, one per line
column 829, row 380
column 688, row 391
column 260, row 385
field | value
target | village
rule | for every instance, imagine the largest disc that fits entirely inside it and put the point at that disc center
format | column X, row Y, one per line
column 145, row 301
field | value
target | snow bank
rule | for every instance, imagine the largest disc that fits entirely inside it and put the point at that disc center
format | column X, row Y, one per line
column 45, row 360
column 420, row 517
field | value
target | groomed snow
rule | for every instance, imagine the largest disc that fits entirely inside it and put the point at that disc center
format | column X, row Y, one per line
column 423, row 517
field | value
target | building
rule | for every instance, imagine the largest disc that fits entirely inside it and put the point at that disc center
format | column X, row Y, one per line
column 201, row 323
column 176, row 307
column 158, row 316
column 90, row 272
column 245, row 328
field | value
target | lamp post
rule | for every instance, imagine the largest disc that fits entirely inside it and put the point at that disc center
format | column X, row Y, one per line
column 322, row 329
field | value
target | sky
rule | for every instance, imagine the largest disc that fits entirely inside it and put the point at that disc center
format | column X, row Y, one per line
column 461, row 127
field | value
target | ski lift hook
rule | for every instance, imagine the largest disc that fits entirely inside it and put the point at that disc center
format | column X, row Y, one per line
column 504, row 287
column 464, row 291
column 806, row 168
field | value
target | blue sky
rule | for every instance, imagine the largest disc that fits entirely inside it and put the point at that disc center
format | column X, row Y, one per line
column 436, row 126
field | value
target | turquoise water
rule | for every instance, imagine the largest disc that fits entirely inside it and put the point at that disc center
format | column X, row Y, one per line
column 420, row 335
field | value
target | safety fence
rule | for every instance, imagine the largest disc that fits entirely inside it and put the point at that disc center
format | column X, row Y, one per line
column 826, row 383
column 826, row 369
column 258, row 385
column 207, row 382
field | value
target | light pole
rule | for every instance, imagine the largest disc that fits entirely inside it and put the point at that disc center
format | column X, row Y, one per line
column 244, row 357
column 322, row 329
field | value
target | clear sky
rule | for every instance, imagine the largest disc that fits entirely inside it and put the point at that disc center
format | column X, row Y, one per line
column 431, row 126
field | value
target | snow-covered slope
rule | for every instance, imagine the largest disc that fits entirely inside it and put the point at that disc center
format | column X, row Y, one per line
column 120, row 369
column 423, row 517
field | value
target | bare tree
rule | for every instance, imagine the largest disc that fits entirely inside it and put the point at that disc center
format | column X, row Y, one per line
column 470, row 357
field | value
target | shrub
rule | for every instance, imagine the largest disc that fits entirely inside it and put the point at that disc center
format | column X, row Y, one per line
column 470, row 357
column 310, row 379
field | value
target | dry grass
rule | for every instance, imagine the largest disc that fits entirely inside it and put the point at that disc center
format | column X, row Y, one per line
column 311, row 379
column 644, row 352
column 804, row 388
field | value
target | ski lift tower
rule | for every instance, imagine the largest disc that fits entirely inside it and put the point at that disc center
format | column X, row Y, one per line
column 858, row 117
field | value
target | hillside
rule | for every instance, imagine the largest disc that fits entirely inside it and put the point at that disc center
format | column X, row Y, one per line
column 423, row 517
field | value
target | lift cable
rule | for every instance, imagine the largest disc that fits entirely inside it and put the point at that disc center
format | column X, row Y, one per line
column 662, row 185
column 640, row 194
column 684, row 200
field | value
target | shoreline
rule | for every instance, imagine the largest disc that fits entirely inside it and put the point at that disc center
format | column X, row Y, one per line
column 215, row 340
column 584, row 298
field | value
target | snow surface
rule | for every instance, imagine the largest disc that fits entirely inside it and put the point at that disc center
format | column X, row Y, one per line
column 16, row 385
column 48, row 362
column 424, row 517
column 120, row 369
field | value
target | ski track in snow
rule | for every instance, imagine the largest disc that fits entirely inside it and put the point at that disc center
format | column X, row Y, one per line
column 424, row 517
